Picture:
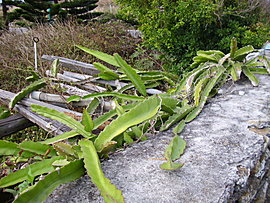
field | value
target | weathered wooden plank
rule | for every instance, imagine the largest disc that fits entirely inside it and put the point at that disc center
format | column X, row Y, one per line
column 73, row 64
column 88, row 86
column 112, row 83
column 80, row 77
column 13, row 124
column 24, row 108
column 28, row 102
column 71, row 90
column 51, row 126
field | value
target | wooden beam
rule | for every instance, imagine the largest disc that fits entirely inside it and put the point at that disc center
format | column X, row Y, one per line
column 13, row 124
column 91, row 87
column 112, row 83
column 28, row 102
column 73, row 64
column 51, row 126
column 24, row 108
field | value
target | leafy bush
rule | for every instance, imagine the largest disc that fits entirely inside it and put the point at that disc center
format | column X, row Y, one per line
column 180, row 28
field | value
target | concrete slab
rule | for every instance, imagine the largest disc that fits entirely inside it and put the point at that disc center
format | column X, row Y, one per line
column 224, row 161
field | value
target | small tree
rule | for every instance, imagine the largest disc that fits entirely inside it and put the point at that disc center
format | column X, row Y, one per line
column 41, row 11
column 30, row 10
column 80, row 9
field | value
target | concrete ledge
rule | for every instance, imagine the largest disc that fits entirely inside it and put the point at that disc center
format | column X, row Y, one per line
column 224, row 161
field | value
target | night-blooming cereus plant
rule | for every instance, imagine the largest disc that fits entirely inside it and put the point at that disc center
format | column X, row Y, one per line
column 67, row 162
column 56, row 161
column 211, row 69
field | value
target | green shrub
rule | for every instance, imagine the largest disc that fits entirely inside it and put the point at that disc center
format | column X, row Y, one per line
column 179, row 28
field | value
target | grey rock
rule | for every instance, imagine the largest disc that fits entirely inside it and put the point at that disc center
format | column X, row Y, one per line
column 224, row 161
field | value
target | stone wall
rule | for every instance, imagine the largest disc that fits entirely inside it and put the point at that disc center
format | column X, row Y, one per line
column 226, row 159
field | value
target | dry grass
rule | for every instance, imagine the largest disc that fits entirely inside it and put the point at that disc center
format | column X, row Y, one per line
column 16, row 51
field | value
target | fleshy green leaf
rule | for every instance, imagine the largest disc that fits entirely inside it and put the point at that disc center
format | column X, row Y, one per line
column 105, row 117
column 92, row 106
column 38, row 168
column 55, row 67
column 233, row 47
column 87, row 121
column 169, row 101
column 205, row 58
column 127, row 138
column 241, row 53
column 261, row 71
column 173, row 152
column 8, row 148
column 114, row 94
column 4, row 112
column 24, row 92
column 106, row 76
column 210, row 52
column 100, row 55
column 58, row 138
column 205, row 93
column 193, row 114
column 37, row 148
column 266, row 63
column 92, row 164
column 233, row 73
column 33, row 77
column 61, row 117
column 65, row 150
column 176, row 148
column 179, row 114
column 137, row 131
column 60, row 163
column 73, row 98
column 198, row 88
column 179, row 128
column 194, row 75
column 253, row 79
column 104, row 69
column 30, row 176
column 141, row 112
column 45, row 187
column 131, row 74
column 171, row 166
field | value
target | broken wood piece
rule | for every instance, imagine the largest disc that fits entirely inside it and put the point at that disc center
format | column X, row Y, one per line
column 88, row 69
column 112, row 83
column 88, row 86
column 41, row 96
column 71, row 90
column 51, row 126
column 24, row 108
column 28, row 102
column 13, row 124
column 73, row 64
column 94, row 80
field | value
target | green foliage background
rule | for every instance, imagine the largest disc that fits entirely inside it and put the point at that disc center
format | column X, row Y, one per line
column 42, row 11
column 179, row 28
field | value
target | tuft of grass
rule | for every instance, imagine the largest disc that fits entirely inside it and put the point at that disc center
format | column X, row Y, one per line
column 17, row 53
